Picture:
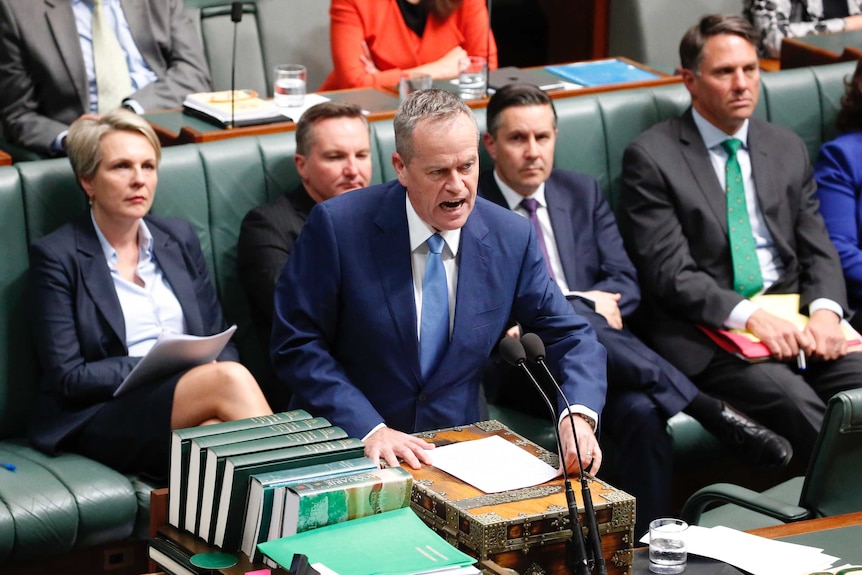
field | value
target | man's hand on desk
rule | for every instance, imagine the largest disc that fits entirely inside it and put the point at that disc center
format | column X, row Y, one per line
column 824, row 327
column 782, row 338
column 388, row 444
column 591, row 453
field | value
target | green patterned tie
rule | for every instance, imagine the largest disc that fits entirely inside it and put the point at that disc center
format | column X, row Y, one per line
column 747, row 280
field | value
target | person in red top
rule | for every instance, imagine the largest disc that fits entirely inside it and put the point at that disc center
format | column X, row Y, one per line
column 375, row 41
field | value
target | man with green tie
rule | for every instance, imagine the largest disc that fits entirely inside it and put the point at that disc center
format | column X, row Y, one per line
column 718, row 206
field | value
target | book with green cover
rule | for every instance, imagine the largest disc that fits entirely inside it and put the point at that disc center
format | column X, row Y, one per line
column 199, row 445
column 181, row 444
column 262, row 487
column 238, row 468
column 217, row 456
column 170, row 557
column 392, row 542
column 329, row 500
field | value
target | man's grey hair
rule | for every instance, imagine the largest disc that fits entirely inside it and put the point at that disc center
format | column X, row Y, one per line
column 434, row 105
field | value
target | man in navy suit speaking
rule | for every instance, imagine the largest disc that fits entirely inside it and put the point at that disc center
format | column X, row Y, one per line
column 395, row 296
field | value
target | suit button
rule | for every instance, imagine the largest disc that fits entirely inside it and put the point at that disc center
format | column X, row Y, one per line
column 423, row 398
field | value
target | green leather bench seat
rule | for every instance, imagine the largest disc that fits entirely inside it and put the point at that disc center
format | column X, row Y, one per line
column 51, row 505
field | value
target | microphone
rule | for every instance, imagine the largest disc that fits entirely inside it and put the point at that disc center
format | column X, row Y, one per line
column 513, row 353
column 236, row 18
column 535, row 349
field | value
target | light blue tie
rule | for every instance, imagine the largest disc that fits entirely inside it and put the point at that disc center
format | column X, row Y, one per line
column 434, row 331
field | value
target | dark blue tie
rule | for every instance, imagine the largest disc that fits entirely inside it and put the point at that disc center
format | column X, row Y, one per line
column 434, row 331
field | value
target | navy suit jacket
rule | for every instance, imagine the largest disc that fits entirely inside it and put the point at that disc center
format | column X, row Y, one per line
column 345, row 333
column 78, row 323
column 586, row 234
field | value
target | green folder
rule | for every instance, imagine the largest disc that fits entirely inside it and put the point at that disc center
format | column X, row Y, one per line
column 392, row 543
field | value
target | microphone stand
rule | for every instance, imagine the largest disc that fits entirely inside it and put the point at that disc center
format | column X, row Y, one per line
column 534, row 343
column 236, row 18
column 513, row 352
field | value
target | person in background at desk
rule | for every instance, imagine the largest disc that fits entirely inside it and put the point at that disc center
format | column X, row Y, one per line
column 775, row 20
column 103, row 287
column 375, row 41
column 395, row 295
column 62, row 59
column 586, row 257
column 838, row 172
column 716, row 177
column 333, row 156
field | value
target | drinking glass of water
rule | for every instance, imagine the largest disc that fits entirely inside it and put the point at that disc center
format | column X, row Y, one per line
column 290, row 82
column 471, row 80
column 668, row 545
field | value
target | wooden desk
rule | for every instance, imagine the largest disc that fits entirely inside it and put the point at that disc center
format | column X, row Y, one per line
column 173, row 127
column 791, row 532
column 820, row 49
column 5, row 159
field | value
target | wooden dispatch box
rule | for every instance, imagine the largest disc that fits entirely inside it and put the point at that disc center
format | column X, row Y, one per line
column 525, row 530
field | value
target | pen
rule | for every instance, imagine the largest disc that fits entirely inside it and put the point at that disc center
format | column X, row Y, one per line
column 8, row 466
column 800, row 360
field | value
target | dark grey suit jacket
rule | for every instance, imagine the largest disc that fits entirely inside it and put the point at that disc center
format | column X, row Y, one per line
column 266, row 239
column 674, row 222
column 43, row 82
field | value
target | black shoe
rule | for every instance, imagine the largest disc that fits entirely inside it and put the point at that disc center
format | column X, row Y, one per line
column 753, row 442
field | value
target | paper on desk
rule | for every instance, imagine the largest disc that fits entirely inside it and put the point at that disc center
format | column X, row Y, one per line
column 492, row 464
column 296, row 112
column 755, row 554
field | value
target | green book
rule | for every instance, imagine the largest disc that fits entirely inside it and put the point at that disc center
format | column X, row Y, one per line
column 262, row 486
column 329, row 500
column 217, row 456
column 234, row 487
column 170, row 557
column 199, row 445
column 181, row 443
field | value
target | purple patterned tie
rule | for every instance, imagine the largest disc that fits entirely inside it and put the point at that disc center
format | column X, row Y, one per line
column 531, row 205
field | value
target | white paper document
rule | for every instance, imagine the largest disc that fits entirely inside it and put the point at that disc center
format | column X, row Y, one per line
column 754, row 554
column 296, row 112
column 492, row 464
column 174, row 352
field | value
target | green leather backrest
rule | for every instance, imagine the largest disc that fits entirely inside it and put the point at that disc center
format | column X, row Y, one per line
column 213, row 186
column 17, row 356
column 832, row 483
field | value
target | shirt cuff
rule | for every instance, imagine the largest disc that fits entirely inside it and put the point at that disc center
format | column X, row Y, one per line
column 826, row 303
column 581, row 410
column 373, row 429
column 57, row 146
column 134, row 106
column 739, row 315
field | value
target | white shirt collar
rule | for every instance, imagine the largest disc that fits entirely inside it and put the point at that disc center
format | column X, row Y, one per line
column 514, row 199
column 421, row 231
column 145, row 241
column 713, row 136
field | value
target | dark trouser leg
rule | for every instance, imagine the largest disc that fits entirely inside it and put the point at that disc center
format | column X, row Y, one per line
column 774, row 394
column 645, row 452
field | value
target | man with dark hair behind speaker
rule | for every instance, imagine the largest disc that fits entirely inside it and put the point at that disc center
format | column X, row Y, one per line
column 63, row 59
column 718, row 206
column 333, row 156
column 585, row 255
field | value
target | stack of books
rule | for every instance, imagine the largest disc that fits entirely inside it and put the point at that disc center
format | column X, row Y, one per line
column 241, row 483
